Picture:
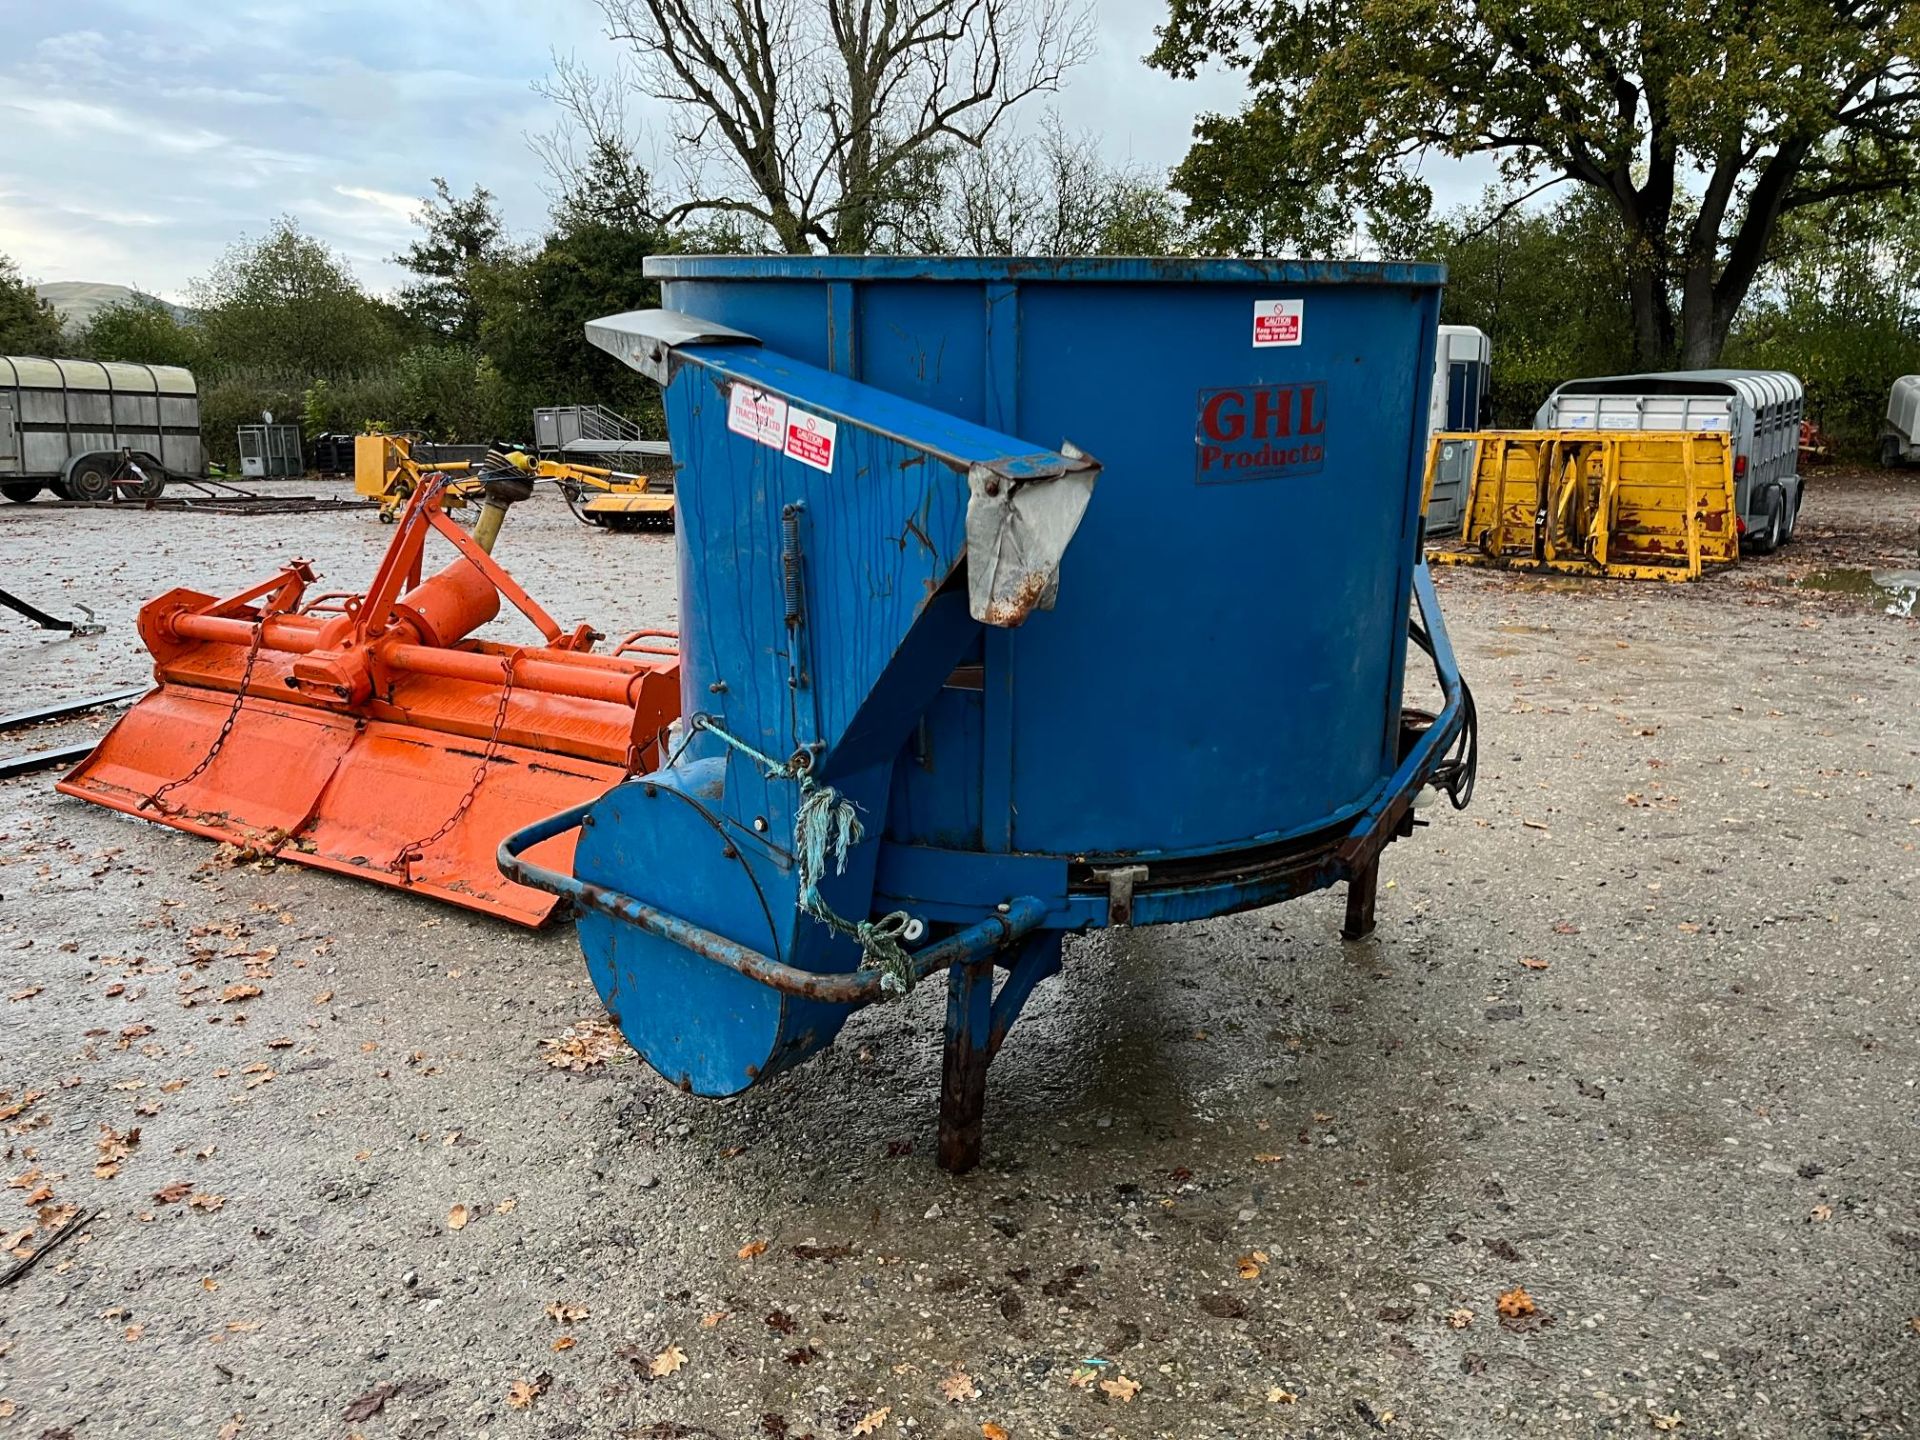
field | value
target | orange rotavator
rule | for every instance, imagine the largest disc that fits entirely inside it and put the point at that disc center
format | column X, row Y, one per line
column 369, row 734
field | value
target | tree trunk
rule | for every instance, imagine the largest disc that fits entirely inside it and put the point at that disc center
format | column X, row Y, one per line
column 1700, row 338
column 1652, row 318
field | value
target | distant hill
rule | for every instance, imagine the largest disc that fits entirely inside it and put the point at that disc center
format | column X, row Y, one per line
column 78, row 301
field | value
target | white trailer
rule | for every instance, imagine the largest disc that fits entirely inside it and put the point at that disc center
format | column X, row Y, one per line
column 1463, row 360
column 1760, row 409
column 1900, row 441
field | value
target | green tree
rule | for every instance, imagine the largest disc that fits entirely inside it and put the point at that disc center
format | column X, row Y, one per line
column 1547, row 285
column 288, row 305
column 1843, row 313
column 28, row 324
column 1052, row 193
column 459, row 238
column 144, row 330
column 1776, row 106
column 536, row 303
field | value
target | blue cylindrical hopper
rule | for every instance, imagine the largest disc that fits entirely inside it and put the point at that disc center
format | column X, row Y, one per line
column 1083, row 586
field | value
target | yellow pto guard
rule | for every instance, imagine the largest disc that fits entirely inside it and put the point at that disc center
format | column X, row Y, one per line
column 1632, row 504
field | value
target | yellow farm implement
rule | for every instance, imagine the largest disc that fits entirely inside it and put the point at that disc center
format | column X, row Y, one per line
column 385, row 469
column 1631, row 505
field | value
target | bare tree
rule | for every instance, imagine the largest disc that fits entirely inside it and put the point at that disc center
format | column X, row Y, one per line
column 1051, row 193
column 592, row 154
column 825, row 120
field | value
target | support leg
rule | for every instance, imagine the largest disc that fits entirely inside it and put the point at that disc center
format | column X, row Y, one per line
column 1361, row 890
column 963, row 1076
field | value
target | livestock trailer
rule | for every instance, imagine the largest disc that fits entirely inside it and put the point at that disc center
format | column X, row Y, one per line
column 71, row 426
column 1463, row 358
column 1900, row 441
column 1760, row 410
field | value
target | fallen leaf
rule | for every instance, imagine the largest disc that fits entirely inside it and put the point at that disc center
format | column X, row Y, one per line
column 209, row 1284
column 713, row 1318
column 1277, row 1396
column 870, row 1423
column 1515, row 1303
column 207, row 1202
column 1121, row 1388
column 173, row 1193
column 134, row 1332
column 564, row 1342
column 667, row 1361
column 505, row 1207
column 563, row 1314
column 1459, row 1319
column 1249, row 1264
column 586, row 1044
column 991, row 1431
column 959, row 1386
column 370, row 1404
column 751, row 1249
column 520, row 1395
column 1268, row 1159
column 238, row 992
column 1666, row 1422
column 26, row 994
column 323, row 997
column 1533, row 962
column 457, row 1217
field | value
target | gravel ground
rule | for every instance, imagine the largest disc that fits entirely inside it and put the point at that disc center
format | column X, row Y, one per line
column 1637, row 1035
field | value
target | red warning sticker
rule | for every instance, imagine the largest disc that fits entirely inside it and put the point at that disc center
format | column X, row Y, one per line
column 810, row 439
column 1277, row 322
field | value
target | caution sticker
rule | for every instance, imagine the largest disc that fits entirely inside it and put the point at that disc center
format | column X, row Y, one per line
column 757, row 415
column 1278, row 322
column 810, row 439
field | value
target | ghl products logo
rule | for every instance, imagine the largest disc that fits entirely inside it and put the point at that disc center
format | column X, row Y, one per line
column 1257, row 432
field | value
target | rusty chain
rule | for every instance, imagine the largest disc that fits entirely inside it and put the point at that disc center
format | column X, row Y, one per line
column 226, row 726
column 403, row 858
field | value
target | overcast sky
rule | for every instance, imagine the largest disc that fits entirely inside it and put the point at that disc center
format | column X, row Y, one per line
column 142, row 136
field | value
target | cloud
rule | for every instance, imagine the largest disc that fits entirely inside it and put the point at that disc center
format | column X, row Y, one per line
column 61, row 116
column 399, row 207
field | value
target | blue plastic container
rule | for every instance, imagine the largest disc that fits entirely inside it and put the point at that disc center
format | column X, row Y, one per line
column 1207, row 718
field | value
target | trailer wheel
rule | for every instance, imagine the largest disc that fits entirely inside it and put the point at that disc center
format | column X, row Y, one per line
column 156, row 481
column 1768, row 540
column 1889, row 451
column 20, row 491
column 91, row 479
